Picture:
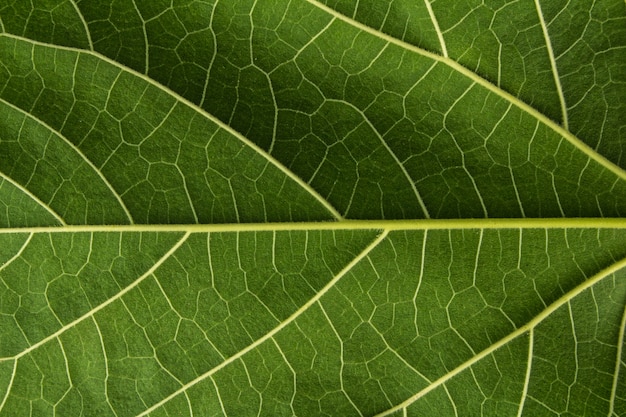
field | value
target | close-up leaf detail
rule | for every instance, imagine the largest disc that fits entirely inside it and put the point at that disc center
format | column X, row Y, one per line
column 312, row 208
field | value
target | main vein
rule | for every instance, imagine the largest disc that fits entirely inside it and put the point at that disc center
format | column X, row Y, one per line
column 388, row 225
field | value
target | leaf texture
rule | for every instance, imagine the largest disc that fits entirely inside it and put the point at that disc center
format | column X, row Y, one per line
column 244, row 208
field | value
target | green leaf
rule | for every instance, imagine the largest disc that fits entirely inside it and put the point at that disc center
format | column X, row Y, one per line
column 298, row 208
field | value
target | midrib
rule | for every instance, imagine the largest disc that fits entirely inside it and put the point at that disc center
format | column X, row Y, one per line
column 383, row 225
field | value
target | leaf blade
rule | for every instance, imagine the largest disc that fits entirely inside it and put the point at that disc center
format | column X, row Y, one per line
column 197, row 202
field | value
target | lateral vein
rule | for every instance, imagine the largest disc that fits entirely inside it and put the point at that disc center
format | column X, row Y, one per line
column 116, row 297
column 78, row 151
column 276, row 329
column 433, row 18
column 555, row 70
column 34, row 198
column 618, row 363
column 528, row 327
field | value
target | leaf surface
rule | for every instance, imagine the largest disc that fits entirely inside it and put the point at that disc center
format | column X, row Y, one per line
column 245, row 208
